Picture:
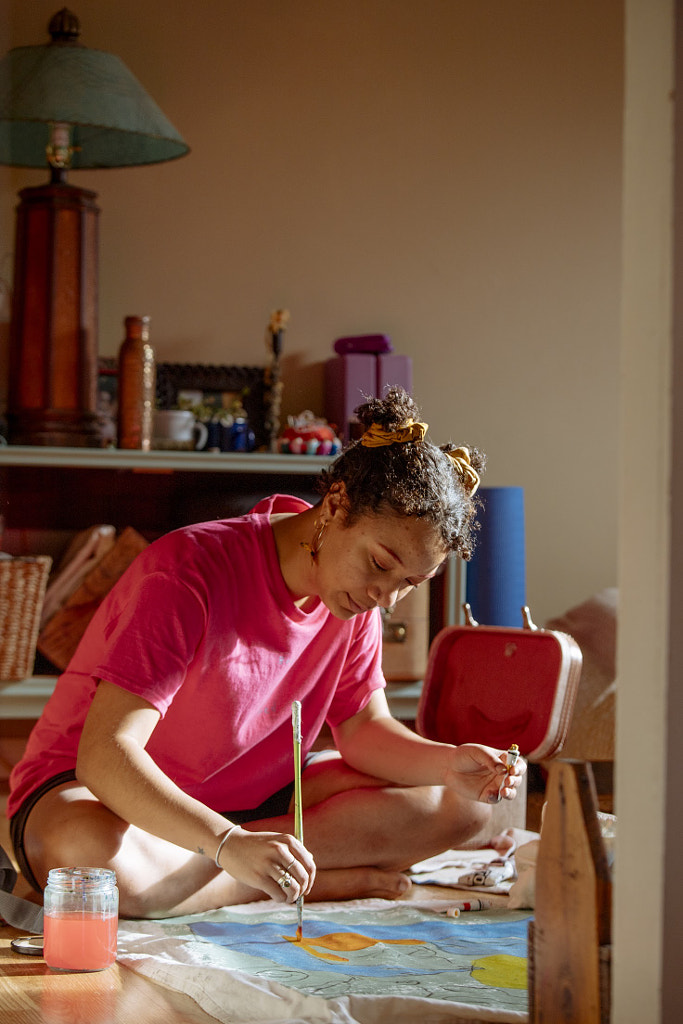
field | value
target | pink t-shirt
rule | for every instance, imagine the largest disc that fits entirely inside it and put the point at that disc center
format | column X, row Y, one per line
column 203, row 627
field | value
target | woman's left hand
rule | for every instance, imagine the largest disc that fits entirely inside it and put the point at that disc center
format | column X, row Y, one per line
column 482, row 773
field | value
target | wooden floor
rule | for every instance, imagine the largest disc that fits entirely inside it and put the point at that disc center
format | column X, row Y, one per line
column 30, row 993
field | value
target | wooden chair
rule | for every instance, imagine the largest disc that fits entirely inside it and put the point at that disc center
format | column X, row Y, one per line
column 570, row 938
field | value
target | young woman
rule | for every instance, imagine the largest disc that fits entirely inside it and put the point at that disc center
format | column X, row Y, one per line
column 165, row 752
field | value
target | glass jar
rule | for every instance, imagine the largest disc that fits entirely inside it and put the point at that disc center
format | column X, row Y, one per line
column 81, row 908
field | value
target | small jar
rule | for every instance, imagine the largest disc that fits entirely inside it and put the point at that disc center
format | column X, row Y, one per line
column 240, row 436
column 81, row 912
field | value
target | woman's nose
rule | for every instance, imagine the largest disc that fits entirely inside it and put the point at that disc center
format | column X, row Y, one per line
column 385, row 596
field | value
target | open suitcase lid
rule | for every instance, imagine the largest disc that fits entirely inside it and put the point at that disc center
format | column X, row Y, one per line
column 497, row 685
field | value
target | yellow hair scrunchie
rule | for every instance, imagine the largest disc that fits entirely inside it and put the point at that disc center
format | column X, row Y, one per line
column 460, row 457
column 377, row 437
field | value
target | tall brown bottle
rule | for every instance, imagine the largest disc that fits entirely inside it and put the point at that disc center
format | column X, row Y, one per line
column 137, row 385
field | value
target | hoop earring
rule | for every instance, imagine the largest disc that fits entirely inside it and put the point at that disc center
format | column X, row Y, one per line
column 318, row 539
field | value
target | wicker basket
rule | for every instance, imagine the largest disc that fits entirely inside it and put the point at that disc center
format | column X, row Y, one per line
column 22, row 589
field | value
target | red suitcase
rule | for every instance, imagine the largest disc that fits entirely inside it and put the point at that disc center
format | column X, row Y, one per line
column 499, row 685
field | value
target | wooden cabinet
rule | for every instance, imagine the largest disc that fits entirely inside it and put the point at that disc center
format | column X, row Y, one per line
column 45, row 488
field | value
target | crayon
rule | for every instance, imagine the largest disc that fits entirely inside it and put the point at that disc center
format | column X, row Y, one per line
column 451, row 908
column 455, row 909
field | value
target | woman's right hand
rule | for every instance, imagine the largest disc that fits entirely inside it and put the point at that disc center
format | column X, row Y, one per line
column 262, row 859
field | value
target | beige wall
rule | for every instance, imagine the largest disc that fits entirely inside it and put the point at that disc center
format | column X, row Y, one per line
column 446, row 172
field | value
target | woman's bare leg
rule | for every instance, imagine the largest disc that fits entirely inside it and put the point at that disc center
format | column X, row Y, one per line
column 362, row 833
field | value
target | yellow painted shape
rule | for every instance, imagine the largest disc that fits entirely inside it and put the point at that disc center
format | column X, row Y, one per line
column 346, row 941
column 501, row 971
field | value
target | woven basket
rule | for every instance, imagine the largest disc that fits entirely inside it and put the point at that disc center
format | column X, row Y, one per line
column 22, row 589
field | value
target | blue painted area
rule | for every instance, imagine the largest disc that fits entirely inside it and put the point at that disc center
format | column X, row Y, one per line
column 440, row 941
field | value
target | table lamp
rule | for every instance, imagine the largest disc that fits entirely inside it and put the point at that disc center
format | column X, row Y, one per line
column 64, row 106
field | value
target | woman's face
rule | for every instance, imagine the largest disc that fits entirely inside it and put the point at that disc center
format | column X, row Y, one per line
column 374, row 562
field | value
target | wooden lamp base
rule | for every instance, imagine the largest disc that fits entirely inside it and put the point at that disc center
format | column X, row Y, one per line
column 53, row 340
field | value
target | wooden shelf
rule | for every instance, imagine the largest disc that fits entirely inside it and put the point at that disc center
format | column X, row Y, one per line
column 186, row 461
column 403, row 699
column 26, row 698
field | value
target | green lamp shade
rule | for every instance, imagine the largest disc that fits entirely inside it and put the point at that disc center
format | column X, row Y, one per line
column 114, row 123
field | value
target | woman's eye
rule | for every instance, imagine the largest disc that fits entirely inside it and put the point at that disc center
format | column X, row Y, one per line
column 380, row 568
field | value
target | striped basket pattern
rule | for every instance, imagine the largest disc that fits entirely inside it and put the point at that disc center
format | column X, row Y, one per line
column 22, row 588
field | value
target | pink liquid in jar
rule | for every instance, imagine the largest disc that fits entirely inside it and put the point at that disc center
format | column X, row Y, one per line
column 80, row 942
column 81, row 919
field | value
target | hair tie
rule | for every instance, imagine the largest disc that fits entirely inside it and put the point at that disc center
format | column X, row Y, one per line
column 377, row 437
column 460, row 457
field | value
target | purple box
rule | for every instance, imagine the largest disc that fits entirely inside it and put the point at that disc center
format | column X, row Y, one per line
column 363, row 343
column 349, row 381
column 393, row 369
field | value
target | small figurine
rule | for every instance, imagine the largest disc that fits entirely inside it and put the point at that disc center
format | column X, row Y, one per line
column 239, row 437
column 307, row 434
column 277, row 325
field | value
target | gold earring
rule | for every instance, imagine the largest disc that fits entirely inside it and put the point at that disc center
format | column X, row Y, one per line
column 318, row 537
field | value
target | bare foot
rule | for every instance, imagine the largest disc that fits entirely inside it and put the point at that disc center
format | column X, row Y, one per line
column 359, row 883
column 504, row 843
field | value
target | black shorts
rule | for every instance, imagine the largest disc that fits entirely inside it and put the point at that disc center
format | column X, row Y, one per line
column 17, row 822
column 272, row 807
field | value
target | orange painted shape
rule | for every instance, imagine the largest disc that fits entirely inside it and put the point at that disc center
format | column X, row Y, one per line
column 344, row 941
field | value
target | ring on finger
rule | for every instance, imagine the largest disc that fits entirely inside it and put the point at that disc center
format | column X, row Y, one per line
column 285, row 880
column 293, row 861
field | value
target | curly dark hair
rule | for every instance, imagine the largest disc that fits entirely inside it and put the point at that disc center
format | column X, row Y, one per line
column 414, row 478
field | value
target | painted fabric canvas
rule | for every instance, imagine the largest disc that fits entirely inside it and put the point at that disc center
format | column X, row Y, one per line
column 358, row 962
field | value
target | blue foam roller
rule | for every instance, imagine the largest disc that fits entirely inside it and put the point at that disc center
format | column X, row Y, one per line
column 496, row 575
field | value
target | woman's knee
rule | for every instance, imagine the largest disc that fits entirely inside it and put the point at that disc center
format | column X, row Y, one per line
column 450, row 820
column 475, row 819
column 331, row 776
column 68, row 834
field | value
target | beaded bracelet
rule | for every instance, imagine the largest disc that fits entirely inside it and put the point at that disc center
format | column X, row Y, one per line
column 222, row 844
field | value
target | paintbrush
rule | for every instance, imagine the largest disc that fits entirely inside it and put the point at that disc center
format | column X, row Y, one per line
column 298, row 812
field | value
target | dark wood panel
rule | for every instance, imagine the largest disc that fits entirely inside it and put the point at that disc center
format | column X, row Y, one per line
column 153, row 502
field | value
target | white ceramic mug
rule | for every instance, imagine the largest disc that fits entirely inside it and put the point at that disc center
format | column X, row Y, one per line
column 177, row 428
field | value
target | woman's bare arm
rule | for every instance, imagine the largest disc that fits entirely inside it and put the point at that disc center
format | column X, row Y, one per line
column 116, row 768
column 374, row 742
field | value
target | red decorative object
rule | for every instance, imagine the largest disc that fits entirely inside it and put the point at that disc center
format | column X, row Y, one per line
column 307, row 434
column 53, row 341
